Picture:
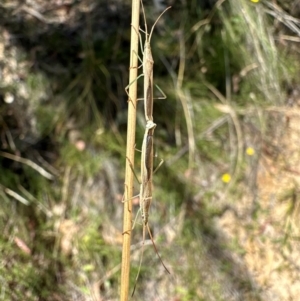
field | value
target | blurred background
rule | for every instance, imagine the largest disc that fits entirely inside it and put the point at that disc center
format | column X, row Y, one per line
column 225, row 213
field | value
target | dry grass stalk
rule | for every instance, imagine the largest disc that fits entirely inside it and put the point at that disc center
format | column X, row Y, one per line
column 131, row 125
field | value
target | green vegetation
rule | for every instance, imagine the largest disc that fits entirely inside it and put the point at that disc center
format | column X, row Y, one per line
column 225, row 210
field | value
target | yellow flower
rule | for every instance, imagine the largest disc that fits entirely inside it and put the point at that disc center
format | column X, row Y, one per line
column 250, row 151
column 226, row 177
column 254, row 1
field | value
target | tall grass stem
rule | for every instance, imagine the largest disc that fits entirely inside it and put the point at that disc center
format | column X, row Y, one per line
column 130, row 149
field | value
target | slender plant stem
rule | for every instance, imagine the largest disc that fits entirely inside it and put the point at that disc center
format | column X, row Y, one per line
column 131, row 125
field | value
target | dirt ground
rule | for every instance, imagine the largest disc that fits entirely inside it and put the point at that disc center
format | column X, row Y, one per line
column 269, row 238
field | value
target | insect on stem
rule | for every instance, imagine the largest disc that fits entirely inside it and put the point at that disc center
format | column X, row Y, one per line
column 148, row 63
column 147, row 146
column 146, row 189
